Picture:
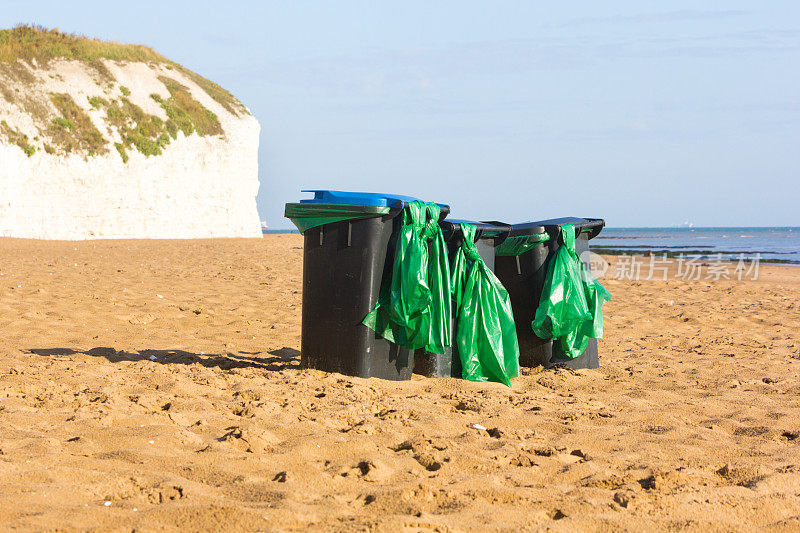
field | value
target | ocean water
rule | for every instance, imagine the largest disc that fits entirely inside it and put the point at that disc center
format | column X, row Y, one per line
column 778, row 244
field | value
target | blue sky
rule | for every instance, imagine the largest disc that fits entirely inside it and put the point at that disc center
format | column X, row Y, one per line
column 642, row 113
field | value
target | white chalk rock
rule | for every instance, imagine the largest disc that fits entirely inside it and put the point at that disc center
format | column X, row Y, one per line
column 199, row 186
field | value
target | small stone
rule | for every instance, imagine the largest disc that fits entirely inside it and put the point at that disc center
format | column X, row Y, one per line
column 523, row 460
column 544, row 451
column 788, row 435
column 582, row 454
column 429, row 461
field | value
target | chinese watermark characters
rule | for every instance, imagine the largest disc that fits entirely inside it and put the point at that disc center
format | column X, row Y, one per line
column 687, row 268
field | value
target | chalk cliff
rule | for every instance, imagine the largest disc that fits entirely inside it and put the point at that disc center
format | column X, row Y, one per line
column 103, row 140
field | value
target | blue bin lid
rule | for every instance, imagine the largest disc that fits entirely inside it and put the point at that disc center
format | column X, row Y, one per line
column 357, row 198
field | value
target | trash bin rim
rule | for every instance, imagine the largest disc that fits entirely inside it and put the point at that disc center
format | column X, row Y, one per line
column 484, row 230
column 328, row 196
column 592, row 226
column 397, row 202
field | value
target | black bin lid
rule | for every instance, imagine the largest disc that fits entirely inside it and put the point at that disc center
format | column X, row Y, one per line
column 593, row 226
column 484, row 230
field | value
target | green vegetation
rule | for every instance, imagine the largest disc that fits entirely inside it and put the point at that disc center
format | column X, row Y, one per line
column 30, row 43
column 24, row 49
column 188, row 114
column 122, row 153
column 220, row 95
column 74, row 130
column 19, row 72
column 63, row 123
column 97, row 102
column 15, row 136
column 7, row 94
column 137, row 128
column 148, row 133
column 34, row 43
column 37, row 108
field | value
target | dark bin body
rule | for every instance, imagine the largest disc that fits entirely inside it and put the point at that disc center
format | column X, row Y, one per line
column 344, row 264
column 487, row 236
column 523, row 277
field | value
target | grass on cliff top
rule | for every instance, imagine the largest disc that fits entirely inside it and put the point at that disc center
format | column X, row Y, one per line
column 34, row 42
column 29, row 43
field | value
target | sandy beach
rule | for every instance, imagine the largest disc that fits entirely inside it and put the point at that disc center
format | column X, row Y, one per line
column 155, row 386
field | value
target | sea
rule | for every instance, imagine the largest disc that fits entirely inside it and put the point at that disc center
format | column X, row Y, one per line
column 278, row 231
column 771, row 245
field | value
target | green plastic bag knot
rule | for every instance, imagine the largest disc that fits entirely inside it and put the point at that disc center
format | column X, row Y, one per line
column 486, row 336
column 469, row 249
column 431, row 229
column 570, row 308
column 413, row 309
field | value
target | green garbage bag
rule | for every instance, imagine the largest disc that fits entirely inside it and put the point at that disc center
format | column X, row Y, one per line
column 486, row 336
column 310, row 215
column 414, row 309
column 520, row 244
column 570, row 308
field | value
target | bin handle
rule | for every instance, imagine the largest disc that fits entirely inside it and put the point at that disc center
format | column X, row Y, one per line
column 500, row 239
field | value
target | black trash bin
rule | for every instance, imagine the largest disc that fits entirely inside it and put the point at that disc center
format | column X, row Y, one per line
column 521, row 265
column 344, row 263
column 487, row 236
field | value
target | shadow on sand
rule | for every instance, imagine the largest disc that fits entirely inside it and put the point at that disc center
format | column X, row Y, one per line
column 275, row 360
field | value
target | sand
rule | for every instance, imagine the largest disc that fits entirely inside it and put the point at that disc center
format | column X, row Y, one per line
column 155, row 386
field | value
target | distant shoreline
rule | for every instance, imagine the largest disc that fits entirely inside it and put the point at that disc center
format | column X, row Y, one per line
column 771, row 244
column 281, row 232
